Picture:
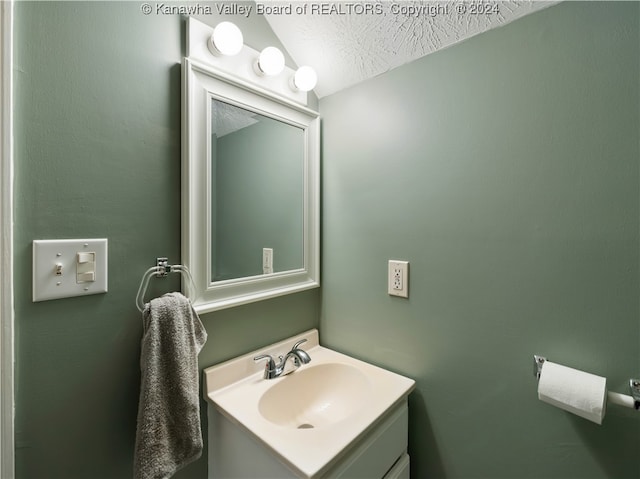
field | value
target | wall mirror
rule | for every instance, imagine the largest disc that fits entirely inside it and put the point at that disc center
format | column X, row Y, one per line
column 250, row 185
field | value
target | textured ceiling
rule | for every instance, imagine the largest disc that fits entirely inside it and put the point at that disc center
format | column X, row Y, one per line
column 226, row 118
column 348, row 42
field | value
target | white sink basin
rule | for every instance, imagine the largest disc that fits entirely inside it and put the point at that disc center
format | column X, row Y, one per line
column 316, row 396
column 311, row 416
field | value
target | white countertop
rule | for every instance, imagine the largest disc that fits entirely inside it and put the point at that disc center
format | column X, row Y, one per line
column 235, row 388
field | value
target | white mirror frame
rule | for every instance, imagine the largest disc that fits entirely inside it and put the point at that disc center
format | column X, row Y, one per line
column 201, row 84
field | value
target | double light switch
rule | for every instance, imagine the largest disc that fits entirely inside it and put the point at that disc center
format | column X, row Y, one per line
column 65, row 268
column 86, row 267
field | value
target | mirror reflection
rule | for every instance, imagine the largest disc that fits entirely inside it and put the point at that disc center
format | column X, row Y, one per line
column 257, row 194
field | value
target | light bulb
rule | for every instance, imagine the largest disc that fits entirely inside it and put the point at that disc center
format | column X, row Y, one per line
column 226, row 39
column 305, row 79
column 270, row 62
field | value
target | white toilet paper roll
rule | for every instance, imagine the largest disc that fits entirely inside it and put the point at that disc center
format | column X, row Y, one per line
column 575, row 391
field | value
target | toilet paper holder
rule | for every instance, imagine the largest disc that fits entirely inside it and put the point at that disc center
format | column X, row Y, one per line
column 634, row 384
column 538, row 361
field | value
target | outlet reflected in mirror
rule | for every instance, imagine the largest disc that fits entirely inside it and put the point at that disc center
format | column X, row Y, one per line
column 257, row 193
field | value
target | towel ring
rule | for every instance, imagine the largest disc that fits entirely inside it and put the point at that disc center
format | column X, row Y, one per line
column 161, row 271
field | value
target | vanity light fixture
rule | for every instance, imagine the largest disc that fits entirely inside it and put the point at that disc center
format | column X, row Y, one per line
column 270, row 62
column 304, row 79
column 226, row 39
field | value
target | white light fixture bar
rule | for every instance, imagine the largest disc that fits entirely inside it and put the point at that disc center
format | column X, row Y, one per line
column 242, row 65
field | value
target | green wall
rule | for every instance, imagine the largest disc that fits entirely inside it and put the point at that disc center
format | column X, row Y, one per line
column 505, row 169
column 98, row 155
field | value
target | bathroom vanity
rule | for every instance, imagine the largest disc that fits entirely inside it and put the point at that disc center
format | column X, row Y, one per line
column 335, row 417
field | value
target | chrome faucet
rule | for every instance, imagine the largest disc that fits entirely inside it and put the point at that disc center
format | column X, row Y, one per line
column 273, row 370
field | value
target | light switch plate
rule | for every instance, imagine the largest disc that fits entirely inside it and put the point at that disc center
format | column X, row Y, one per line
column 55, row 268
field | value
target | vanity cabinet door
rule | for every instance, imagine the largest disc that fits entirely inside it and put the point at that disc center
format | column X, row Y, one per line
column 377, row 453
column 381, row 453
column 400, row 469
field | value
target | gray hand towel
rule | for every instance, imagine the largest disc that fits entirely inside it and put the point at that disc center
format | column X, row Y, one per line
column 168, row 436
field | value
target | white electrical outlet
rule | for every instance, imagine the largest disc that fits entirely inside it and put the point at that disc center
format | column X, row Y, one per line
column 398, row 282
column 267, row 260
